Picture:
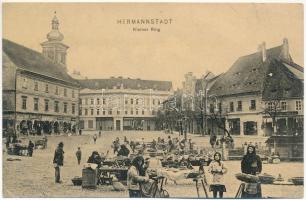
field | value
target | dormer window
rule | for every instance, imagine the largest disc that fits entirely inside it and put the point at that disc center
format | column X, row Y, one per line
column 254, row 69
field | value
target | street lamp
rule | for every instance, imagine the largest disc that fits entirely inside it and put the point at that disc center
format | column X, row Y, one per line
column 206, row 90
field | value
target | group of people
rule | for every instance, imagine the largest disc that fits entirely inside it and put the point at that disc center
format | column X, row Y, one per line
column 136, row 175
column 216, row 142
column 250, row 164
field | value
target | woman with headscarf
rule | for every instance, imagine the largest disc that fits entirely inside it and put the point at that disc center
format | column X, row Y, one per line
column 251, row 163
column 134, row 177
column 95, row 158
column 124, row 151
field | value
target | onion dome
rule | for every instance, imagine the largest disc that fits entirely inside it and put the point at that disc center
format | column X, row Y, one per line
column 54, row 34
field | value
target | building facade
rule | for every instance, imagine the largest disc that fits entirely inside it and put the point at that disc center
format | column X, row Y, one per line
column 121, row 104
column 38, row 94
column 260, row 95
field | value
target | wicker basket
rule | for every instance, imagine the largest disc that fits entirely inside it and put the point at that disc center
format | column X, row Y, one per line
column 247, row 178
column 77, row 180
column 298, row 180
column 266, row 179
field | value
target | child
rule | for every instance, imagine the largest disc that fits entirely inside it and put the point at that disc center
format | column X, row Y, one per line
column 217, row 169
column 95, row 138
column 79, row 155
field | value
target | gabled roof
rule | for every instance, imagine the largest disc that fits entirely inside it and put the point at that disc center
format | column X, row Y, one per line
column 33, row 61
column 126, row 83
column 281, row 83
column 248, row 74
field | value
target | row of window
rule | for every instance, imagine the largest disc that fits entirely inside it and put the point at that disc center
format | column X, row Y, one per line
column 252, row 106
column 283, row 105
column 110, row 112
column 47, row 105
column 127, row 101
column 47, row 89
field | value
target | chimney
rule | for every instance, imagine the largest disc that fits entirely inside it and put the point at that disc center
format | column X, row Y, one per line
column 285, row 50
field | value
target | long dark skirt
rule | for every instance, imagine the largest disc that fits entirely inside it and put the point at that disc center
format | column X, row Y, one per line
column 218, row 188
column 134, row 193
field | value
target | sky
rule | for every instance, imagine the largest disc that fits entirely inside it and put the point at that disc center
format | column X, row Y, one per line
column 201, row 37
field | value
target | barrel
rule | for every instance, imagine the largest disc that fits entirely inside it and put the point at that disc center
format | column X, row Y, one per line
column 89, row 178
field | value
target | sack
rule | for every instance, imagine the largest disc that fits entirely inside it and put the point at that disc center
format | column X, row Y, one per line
column 118, row 186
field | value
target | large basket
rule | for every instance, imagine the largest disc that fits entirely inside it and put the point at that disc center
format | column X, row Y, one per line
column 298, row 180
column 266, row 179
column 248, row 178
column 77, row 181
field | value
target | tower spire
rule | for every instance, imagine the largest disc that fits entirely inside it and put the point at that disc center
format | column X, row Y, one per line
column 54, row 48
column 55, row 22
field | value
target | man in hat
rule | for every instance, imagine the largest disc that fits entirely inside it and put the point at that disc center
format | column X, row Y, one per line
column 58, row 161
column 78, row 154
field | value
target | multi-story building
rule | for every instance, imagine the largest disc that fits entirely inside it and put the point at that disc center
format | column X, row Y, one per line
column 261, row 94
column 38, row 94
column 121, row 103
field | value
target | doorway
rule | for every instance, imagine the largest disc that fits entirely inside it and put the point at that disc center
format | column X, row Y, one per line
column 118, row 125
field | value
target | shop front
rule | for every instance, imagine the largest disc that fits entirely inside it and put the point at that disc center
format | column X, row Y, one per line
column 29, row 124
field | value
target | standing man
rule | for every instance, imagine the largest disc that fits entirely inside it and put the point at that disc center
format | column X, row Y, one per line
column 30, row 148
column 58, row 161
column 100, row 131
column 79, row 155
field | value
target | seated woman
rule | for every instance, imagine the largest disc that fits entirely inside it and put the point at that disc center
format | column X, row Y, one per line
column 124, row 151
column 95, row 158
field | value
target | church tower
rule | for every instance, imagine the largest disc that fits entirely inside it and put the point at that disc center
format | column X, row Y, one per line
column 54, row 49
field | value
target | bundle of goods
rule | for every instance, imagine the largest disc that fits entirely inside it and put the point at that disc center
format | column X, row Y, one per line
column 194, row 175
column 161, row 146
column 40, row 144
column 297, row 180
column 77, row 180
column 248, row 178
column 266, row 178
column 18, row 149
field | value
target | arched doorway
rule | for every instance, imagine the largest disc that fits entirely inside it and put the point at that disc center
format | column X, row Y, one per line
column 23, row 127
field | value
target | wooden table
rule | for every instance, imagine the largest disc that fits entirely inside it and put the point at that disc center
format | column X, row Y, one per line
column 105, row 177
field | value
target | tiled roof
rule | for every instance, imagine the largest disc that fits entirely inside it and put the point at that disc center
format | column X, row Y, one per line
column 112, row 83
column 33, row 61
column 249, row 73
column 281, row 83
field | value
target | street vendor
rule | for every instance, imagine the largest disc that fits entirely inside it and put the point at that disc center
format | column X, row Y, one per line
column 95, row 158
column 134, row 179
column 124, row 151
column 251, row 164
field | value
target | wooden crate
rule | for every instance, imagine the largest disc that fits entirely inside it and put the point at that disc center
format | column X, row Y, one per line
column 89, row 178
